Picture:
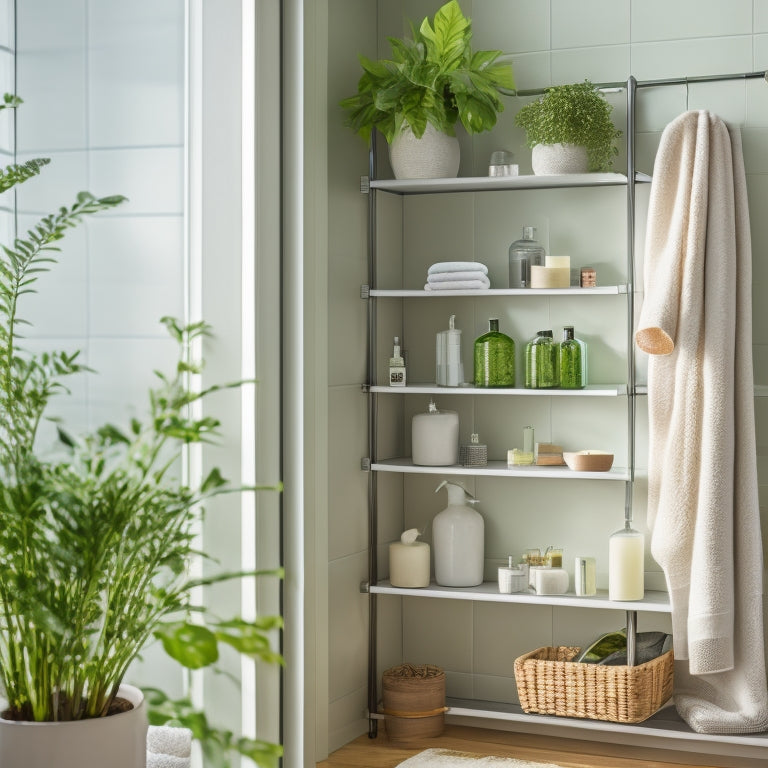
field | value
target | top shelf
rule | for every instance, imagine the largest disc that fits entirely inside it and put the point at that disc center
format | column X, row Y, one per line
column 489, row 183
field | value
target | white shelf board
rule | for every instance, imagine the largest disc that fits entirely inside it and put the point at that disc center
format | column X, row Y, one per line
column 600, row 290
column 666, row 723
column 656, row 602
column 499, row 469
column 490, row 183
column 591, row 390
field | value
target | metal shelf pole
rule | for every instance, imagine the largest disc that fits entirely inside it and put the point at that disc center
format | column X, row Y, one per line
column 372, row 440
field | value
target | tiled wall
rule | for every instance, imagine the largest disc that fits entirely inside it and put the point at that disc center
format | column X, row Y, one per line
column 552, row 42
column 103, row 86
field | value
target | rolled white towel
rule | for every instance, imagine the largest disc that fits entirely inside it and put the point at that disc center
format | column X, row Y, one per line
column 443, row 277
column 457, row 266
column 167, row 761
column 165, row 740
column 459, row 285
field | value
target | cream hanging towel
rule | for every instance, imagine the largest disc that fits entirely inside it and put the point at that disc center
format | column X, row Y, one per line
column 696, row 324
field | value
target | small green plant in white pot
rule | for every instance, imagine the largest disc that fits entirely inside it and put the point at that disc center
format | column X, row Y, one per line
column 96, row 541
column 570, row 130
column 432, row 82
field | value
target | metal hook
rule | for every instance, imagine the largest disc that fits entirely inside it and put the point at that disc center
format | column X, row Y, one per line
column 687, row 94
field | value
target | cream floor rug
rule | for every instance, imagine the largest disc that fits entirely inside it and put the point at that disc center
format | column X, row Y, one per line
column 448, row 758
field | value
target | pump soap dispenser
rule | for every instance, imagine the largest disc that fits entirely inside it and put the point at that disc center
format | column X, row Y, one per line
column 449, row 370
column 458, row 537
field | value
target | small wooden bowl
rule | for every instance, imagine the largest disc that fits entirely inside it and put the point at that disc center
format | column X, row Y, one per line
column 588, row 461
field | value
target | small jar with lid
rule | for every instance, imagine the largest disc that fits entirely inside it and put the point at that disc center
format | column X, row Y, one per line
column 573, row 361
column 494, row 358
column 541, row 362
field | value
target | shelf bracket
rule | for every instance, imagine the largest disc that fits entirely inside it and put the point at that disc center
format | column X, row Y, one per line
column 364, row 588
column 365, row 464
column 365, row 388
column 365, row 291
column 365, row 184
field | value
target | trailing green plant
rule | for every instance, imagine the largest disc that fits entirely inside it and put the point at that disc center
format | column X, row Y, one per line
column 96, row 541
column 433, row 77
column 573, row 114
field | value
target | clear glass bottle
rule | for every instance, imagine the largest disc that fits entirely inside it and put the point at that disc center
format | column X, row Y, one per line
column 494, row 357
column 573, row 361
column 523, row 254
column 541, row 362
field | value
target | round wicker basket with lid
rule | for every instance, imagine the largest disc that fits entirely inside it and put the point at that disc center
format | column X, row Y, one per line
column 414, row 701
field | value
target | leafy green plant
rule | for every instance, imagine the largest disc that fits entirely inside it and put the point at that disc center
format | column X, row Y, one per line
column 433, row 77
column 572, row 114
column 96, row 542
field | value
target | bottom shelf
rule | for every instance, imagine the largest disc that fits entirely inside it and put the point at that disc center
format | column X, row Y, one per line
column 666, row 724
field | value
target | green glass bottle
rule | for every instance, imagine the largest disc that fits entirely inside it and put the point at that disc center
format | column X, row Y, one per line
column 542, row 362
column 572, row 361
column 494, row 358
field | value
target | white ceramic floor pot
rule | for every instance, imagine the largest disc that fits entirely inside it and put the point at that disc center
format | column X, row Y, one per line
column 119, row 741
column 549, row 159
column 434, row 156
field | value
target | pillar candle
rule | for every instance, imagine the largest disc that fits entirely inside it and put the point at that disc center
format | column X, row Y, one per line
column 625, row 565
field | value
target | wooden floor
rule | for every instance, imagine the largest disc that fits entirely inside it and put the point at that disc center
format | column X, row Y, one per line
column 569, row 753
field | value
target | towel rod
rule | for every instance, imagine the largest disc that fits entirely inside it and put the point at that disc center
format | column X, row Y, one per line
column 654, row 83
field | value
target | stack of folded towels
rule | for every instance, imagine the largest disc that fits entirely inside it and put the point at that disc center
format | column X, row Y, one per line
column 457, row 276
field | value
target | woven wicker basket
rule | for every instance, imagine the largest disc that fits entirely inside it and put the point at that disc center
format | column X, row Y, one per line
column 414, row 701
column 549, row 683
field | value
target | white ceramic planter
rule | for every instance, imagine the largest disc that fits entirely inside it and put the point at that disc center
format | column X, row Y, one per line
column 549, row 159
column 118, row 741
column 434, row 156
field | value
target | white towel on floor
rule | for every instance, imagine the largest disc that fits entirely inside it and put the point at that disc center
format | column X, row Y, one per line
column 457, row 266
column 444, row 277
column 459, row 285
column 168, row 747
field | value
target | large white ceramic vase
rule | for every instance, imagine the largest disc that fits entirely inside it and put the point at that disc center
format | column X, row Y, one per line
column 117, row 741
column 550, row 159
column 434, row 156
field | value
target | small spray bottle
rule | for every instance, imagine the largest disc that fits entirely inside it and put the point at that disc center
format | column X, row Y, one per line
column 396, row 366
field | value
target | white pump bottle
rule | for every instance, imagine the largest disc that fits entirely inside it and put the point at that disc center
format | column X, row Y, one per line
column 458, row 538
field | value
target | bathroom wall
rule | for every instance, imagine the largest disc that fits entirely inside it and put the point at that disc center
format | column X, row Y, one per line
column 551, row 42
column 103, row 89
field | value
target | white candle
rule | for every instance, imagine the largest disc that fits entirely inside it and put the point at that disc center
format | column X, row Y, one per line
column 626, row 568
column 409, row 564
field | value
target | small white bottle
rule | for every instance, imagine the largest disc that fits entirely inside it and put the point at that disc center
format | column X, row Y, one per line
column 458, row 538
column 396, row 366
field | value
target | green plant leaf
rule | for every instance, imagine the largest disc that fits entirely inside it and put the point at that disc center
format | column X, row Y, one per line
column 192, row 645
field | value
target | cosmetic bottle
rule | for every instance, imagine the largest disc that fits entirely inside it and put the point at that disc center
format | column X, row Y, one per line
column 626, row 567
column 573, row 361
column 541, row 362
column 458, row 536
column 494, row 358
column 396, row 366
column 523, row 254
column 449, row 370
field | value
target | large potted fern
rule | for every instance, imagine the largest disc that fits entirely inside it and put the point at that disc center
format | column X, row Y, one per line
column 433, row 81
column 96, row 541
